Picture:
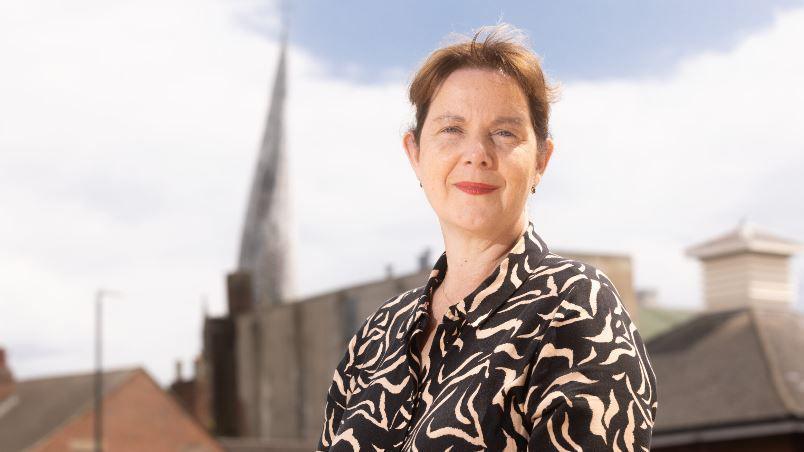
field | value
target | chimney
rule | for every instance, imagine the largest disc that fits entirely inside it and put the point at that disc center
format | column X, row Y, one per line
column 239, row 292
column 746, row 267
column 197, row 367
column 424, row 260
column 179, row 376
column 6, row 377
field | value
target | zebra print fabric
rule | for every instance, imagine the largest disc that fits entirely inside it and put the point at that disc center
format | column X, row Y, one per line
column 541, row 356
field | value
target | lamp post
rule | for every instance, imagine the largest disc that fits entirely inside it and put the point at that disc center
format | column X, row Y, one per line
column 98, row 427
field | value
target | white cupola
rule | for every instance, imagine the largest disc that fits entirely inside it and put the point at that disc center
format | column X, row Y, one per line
column 745, row 267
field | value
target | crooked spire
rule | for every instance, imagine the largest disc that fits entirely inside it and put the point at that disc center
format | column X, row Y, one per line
column 264, row 246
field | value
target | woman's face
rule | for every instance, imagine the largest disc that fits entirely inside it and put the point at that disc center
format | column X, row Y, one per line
column 478, row 131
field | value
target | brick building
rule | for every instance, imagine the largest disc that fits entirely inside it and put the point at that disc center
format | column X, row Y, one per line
column 57, row 414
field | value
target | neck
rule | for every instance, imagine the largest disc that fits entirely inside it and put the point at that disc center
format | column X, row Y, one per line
column 472, row 256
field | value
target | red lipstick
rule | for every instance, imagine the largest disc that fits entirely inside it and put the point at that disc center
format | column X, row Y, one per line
column 475, row 188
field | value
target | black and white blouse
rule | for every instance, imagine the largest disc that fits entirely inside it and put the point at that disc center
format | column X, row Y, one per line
column 541, row 356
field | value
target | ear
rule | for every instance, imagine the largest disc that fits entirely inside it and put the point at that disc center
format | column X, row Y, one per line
column 543, row 158
column 412, row 151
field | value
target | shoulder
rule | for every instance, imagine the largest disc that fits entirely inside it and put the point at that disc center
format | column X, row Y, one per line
column 568, row 270
column 374, row 329
column 388, row 315
column 401, row 301
column 575, row 299
column 587, row 318
column 404, row 302
column 374, row 335
column 590, row 360
column 576, row 282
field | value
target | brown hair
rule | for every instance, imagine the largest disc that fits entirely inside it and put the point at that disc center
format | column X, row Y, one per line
column 502, row 49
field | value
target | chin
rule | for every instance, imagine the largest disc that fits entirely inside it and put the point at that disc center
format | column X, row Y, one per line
column 477, row 220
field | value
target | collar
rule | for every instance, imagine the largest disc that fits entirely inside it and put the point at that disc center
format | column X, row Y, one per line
column 522, row 260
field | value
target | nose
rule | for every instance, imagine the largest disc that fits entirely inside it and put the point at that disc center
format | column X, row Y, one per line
column 478, row 153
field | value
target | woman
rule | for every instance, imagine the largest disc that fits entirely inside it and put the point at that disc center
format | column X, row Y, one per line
column 507, row 346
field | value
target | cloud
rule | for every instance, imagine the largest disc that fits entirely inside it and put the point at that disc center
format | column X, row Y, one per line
column 128, row 135
column 653, row 166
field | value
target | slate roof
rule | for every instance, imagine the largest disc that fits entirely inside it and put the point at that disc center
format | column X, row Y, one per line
column 728, row 369
column 38, row 407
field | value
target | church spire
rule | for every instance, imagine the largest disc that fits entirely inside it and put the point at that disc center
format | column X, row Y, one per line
column 264, row 246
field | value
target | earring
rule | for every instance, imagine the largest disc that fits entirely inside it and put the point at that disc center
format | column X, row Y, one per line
column 533, row 189
column 420, row 184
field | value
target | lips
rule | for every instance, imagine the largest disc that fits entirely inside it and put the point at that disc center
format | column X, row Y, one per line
column 475, row 188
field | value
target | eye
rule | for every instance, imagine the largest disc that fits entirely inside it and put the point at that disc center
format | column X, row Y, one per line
column 504, row 133
column 451, row 129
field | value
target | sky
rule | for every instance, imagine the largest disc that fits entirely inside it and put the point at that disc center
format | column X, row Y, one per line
column 129, row 132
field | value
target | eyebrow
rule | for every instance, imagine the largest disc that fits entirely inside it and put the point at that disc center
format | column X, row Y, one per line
column 450, row 117
column 499, row 120
column 508, row 119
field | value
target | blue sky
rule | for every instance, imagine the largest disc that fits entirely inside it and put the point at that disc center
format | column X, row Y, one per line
column 129, row 132
column 577, row 39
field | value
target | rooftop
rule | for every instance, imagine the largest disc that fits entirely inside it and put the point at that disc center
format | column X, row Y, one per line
column 737, row 368
column 746, row 237
column 39, row 406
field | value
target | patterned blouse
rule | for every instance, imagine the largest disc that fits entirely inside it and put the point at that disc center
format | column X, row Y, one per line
column 541, row 356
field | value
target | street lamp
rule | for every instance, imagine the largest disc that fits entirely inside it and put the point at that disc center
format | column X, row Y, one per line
column 99, row 296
